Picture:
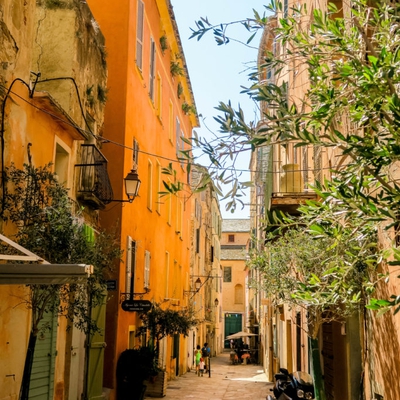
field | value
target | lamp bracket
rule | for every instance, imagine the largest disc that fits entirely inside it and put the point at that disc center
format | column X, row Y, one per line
column 131, row 296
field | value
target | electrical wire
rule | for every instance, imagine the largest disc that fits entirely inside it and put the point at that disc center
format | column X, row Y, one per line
column 105, row 140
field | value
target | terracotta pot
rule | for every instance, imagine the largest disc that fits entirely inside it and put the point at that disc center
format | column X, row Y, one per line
column 291, row 180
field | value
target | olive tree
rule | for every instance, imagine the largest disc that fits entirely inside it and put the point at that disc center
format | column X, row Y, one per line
column 47, row 224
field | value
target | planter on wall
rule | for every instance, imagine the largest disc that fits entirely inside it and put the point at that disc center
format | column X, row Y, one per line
column 157, row 387
column 291, row 180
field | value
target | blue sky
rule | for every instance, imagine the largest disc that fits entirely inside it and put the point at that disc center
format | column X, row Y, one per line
column 218, row 72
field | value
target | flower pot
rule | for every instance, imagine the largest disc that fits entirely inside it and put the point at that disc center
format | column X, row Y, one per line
column 157, row 385
column 291, row 180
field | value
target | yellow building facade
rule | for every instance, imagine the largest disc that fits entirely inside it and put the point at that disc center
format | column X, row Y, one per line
column 45, row 111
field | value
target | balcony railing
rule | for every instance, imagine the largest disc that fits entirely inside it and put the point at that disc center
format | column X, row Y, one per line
column 94, row 185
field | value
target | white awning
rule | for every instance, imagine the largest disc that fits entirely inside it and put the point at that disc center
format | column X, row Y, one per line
column 35, row 271
column 42, row 274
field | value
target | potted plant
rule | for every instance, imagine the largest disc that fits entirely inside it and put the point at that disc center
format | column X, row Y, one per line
column 161, row 323
column 133, row 368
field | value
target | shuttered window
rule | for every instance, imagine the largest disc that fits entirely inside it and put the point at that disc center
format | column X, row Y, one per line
column 130, row 265
column 139, row 34
column 147, row 258
column 135, row 156
column 152, row 72
column 178, row 136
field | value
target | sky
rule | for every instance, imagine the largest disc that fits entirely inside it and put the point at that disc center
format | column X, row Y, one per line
column 218, row 72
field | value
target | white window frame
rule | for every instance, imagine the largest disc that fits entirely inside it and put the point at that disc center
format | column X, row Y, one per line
column 139, row 34
column 146, row 278
column 130, row 265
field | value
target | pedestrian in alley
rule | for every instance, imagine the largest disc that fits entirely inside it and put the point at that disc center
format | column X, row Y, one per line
column 201, row 366
column 205, row 353
column 197, row 355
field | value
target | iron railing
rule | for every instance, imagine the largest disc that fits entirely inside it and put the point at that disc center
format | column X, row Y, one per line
column 94, row 185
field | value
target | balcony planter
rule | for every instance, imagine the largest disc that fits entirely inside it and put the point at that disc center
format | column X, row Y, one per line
column 156, row 386
column 292, row 180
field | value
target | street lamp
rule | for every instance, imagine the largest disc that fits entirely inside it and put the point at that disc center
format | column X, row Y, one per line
column 132, row 185
column 197, row 286
column 216, row 302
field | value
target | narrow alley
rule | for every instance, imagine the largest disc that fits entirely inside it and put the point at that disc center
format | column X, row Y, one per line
column 227, row 381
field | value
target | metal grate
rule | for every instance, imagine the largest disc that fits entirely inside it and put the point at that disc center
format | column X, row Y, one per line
column 94, row 185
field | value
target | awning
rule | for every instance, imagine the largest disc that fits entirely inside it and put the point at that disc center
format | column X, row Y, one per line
column 239, row 335
column 42, row 274
column 33, row 270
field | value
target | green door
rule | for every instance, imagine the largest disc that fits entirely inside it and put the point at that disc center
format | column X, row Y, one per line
column 233, row 324
column 176, row 353
column 96, row 355
column 42, row 377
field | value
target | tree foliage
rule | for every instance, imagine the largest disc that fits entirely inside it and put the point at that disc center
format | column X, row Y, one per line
column 161, row 323
column 349, row 105
column 47, row 225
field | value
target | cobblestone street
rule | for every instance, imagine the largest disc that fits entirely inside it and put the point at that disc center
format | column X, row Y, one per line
column 227, row 381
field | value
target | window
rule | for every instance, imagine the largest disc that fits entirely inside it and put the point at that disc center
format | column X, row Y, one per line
column 179, row 217
column 231, row 238
column 149, row 185
column 239, row 294
column 135, row 156
column 61, row 165
column 130, row 266
column 182, row 147
column 197, row 240
column 152, row 72
column 158, row 187
column 169, row 207
column 171, row 121
column 139, row 35
column 132, row 337
column 166, row 274
column 147, row 258
column 227, row 274
column 178, row 136
column 159, row 97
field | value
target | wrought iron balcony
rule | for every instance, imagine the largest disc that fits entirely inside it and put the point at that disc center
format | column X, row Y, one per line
column 94, row 187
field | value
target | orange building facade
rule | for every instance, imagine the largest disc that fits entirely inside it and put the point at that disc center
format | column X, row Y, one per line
column 150, row 108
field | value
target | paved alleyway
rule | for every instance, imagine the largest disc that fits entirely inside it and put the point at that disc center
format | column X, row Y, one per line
column 240, row 382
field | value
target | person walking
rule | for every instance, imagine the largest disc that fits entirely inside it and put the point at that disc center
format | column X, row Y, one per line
column 205, row 353
column 197, row 355
column 201, row 366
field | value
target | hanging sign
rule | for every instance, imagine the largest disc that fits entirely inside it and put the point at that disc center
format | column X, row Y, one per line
column 136, row 305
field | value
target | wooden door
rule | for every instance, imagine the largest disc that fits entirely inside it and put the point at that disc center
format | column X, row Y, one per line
column 327, row 352
column 41, row 385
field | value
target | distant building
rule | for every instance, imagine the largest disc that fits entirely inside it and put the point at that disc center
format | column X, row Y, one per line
column 234, row 243
column 205, row 266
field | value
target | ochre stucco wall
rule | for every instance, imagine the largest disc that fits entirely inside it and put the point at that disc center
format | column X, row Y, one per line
column 130, row 114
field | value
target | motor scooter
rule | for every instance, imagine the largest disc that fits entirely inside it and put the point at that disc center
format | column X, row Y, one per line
column 296, row 386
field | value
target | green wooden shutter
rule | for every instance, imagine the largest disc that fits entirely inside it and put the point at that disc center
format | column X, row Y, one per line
column 42, row 378
column 96, row 355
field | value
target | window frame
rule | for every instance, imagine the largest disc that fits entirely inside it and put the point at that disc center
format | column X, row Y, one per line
column 140, row 34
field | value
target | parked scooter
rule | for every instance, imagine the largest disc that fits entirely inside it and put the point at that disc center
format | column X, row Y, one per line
column 296, row 386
